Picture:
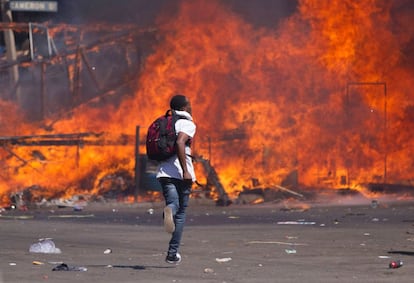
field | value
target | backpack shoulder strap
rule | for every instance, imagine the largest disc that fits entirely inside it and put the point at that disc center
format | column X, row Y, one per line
column 175, row 118
column 175, row 115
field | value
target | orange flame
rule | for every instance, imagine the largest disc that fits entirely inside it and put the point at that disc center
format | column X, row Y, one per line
column 326, row 94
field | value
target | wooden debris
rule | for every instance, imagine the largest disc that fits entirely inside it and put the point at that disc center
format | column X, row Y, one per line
column 287, row 190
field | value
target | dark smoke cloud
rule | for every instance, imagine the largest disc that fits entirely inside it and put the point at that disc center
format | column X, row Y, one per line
column 144, row 12
column 140, row 12
column 263, row 12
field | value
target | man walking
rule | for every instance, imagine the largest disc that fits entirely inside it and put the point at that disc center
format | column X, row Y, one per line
column 176, row 176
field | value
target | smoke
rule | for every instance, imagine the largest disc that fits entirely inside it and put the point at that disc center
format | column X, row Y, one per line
column 263, row 13
column 140, row 12
column 144, row 12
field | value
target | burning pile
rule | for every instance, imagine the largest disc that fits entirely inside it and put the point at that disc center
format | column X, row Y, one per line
column 324, row 96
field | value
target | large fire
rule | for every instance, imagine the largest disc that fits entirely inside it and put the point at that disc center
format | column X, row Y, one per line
column 326, row 94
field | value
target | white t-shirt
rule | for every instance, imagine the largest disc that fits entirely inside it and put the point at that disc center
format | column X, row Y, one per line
column 171, row 167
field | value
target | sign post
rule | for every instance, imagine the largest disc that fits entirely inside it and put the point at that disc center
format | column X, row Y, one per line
column 34, row 6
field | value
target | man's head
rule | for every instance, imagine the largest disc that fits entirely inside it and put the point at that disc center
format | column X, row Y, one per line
column 180, row 102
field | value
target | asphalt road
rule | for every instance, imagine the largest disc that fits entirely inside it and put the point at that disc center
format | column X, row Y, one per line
column 239, row 243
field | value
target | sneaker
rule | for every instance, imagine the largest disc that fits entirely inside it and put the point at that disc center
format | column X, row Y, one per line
column 173, row 259
column 169, row 225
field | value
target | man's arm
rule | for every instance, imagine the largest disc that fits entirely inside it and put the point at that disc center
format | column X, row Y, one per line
column 181, row 141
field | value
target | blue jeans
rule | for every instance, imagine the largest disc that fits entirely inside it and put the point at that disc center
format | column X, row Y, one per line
column 176, row 194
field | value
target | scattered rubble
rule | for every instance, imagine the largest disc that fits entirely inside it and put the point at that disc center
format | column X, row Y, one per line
column 278, row 243
column 299, row 222
column 65, row 267
column 119, row 187
column 208, row 270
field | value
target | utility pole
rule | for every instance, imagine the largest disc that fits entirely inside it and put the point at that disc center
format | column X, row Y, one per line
column 10, row 43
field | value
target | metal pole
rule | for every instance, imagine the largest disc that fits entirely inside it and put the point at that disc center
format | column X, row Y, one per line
column 49, row 45
column 137, row 165
column 10, row 42
column 43, row 89
column 31, row 41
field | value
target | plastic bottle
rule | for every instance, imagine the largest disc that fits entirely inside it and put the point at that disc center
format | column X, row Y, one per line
column 396, row 264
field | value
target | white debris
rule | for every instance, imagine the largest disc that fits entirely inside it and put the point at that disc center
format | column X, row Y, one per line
column 224, row 259
column 46, row 246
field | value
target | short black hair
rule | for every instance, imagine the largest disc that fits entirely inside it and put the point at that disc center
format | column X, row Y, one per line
column 178, row 101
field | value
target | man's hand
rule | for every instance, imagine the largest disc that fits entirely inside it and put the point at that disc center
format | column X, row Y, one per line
column 187, row 178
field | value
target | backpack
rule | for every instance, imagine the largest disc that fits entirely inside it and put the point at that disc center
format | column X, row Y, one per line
column 161, row 137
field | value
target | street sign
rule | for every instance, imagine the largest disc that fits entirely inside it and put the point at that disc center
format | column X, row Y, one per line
column 34, row 6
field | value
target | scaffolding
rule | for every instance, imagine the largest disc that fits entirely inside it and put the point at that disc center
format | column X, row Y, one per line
column 60, row 67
